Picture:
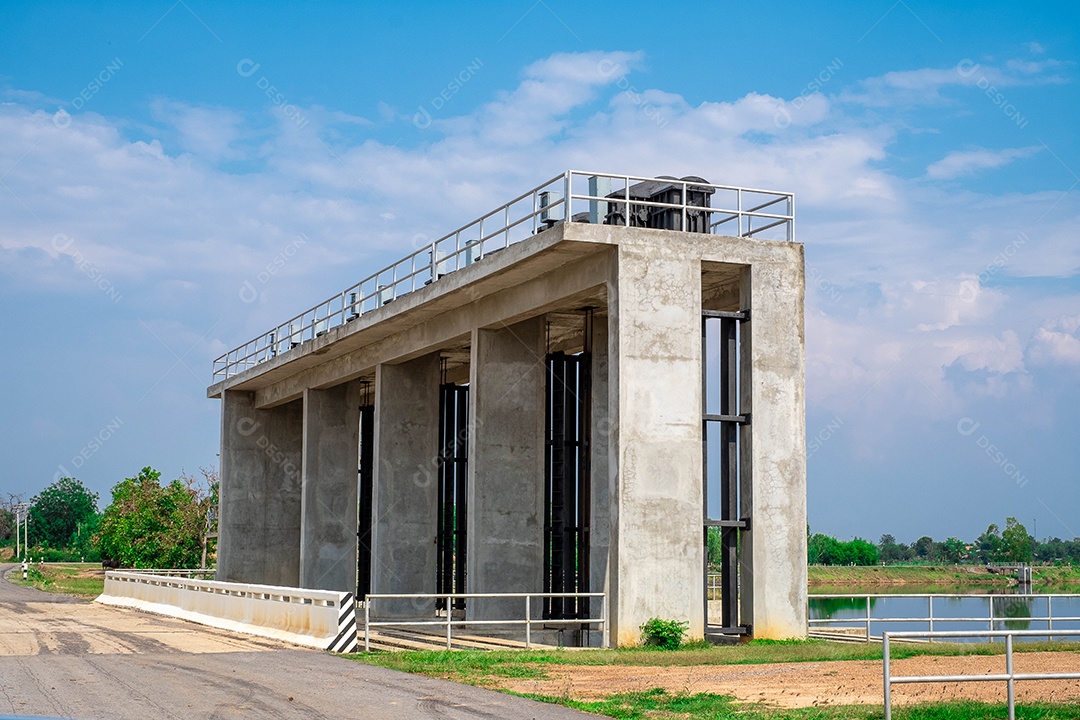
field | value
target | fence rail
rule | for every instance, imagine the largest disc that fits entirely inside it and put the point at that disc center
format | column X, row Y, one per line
column 574, row 196
column 449, row 622
column 1010, row 676
column 989, row 619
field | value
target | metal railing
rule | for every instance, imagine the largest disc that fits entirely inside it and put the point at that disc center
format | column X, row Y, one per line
column 598, row 198
column 449, row 622
column 1010, row 676
column 991, row 621
column 192, row 573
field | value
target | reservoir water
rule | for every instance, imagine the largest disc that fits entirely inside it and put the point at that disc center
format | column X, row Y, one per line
column 892, row 609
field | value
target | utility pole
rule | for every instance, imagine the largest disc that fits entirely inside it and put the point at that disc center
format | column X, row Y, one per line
column 20, row 516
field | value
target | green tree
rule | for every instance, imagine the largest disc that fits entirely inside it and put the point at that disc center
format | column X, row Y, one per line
column 990, row 548
column 1016, row 542
column 714, row 548
column 57, row 512
column 150, row 525
column 924, row 548
column 953, row 550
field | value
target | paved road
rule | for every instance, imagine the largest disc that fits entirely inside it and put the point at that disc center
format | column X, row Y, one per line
column 61, row 657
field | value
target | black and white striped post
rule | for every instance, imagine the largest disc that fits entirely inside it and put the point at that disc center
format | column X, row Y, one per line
column 346, row 640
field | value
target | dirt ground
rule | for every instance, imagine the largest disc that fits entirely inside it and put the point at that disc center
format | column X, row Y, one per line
column 809, row 684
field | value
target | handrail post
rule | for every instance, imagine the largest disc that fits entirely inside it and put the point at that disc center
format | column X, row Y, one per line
column 1050, row 616
column 528, row 622
column 867, row 618
column 1009, row 671
column 930, row 604
column 566, row 196
column 887, row 678
column 607, row 625
column 990, row 600
column 449, row 617
column 367, row 624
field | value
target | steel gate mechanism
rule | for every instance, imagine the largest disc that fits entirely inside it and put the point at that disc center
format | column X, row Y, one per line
column 453, row 462
column 567, row 487
column 366, row 479
column 722, row 418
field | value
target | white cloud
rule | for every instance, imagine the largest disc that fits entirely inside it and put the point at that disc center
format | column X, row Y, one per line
column 1057, row 343
column 967, row 162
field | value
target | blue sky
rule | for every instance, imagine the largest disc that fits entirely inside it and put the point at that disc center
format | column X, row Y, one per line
column 156, row 159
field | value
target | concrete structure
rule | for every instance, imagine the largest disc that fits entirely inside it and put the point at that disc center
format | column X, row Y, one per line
column 626, row 301
column 315, row 618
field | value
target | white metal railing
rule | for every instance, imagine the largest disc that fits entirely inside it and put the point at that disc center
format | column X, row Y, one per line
column 173, row 572
column 1010, row 676
column 449, row 622
column 722, row 209
column 991, row 621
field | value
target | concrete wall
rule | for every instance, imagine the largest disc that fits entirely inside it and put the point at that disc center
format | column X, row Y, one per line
column 329, row 510
column 655, row 381
column 604, row 478
column 306, row 617
column 773, row 483
column 405, row 498
column 259, row 520
column 506, row 467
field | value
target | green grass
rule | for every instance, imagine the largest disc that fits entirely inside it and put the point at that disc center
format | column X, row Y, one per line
column 478, row 666
column 658, row 703
column 63, row 578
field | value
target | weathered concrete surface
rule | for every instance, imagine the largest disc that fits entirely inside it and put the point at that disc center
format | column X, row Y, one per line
column 655, row 379
column 652, row 285
column 506, row 467
column 329, row 510
column 405, row 498
column 773, row 483
column 64, row 658
column 604, row 479
column 302, row 617
column 259, row 520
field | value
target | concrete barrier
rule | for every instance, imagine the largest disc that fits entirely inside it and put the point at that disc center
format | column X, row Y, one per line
column 316, row 618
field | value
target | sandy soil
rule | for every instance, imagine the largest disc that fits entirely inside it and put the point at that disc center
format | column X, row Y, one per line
column 815, row 683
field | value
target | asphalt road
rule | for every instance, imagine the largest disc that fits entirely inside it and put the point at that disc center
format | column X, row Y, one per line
column 66, row 658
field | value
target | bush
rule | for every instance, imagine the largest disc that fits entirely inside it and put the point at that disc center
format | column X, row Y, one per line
column 663, row 634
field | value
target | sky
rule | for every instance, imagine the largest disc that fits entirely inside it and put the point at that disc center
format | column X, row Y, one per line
column 177, row 177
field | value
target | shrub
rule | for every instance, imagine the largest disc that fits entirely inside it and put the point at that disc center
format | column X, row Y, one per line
column 663, row 634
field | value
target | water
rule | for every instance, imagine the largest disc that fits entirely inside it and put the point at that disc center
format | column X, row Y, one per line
column 1011, row 611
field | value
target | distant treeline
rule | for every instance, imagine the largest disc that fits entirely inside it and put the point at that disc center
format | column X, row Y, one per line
column 1011, row 545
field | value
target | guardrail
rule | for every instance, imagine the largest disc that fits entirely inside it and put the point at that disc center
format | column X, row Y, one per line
column 190, row 573
column 574, row 196
column 1010, row 676
column 449, row 622
column 322, row 619
column 991, row 621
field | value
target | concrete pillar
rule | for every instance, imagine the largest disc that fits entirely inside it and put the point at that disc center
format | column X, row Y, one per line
column 405, row 499
column 329, row 508
column 655, row 384
column 603, row 479
column 773, row 450
column 259, row 520
column 506, row 467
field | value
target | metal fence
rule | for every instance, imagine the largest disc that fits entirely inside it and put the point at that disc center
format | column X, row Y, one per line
column 1010, row 676
column 448, row 622
column 204, row 573
column 574, row 196
column 992, row 623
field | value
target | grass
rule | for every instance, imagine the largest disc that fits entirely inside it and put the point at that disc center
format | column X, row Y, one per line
column 658, row 703
column 479, row 667
column 484, row 667
column 83, row 580
column 868, row 576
